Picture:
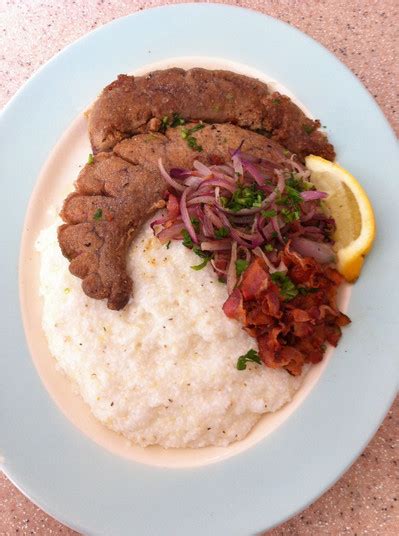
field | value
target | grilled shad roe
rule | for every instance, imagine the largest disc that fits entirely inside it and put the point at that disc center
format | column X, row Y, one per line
column 136, row 121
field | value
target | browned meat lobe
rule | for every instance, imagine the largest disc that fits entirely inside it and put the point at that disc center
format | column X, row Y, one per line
column 131, row 105
column 116, row 194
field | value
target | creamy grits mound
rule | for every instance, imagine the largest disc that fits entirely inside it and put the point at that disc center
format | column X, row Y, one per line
column 163, row 370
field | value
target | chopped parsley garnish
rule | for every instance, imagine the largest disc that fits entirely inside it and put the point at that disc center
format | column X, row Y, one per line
column 287, row 288
column 176, row 121
column 308, row 128
column 295, row 183
column 201, row 265
column 276, row 101
column 196, row 224
column 187, row 239
column 291, row 199
column 241, row 266
column 164, row 123
column 290, row 215
column 268, row 247
column 97, row 216
column 187, row 134
column 250, row 356
column 90, row 159
column 222, row 232
column 244, row 197
column 206, row 255
column 168, row 244
column 269, row 213
column 286, row 152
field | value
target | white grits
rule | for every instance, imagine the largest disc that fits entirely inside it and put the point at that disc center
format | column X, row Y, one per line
column 163, row 370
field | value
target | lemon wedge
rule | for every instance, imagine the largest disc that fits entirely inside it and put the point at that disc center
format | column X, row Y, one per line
column 348, row 204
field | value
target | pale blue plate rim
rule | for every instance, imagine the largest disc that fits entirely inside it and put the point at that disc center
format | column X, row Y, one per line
column 77, row 481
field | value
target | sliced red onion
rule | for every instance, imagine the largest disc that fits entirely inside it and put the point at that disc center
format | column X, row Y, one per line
column 224, row 176
column 222, row 183
column 262, row 255
column 207, row 226
column 227, row 170
column 237, row 165
column 217, row 269
column 254, row 172
column 193, row 181
column 159, row 221
column 186, row 217
column 213, row 218
column 216, row 245
column 312, row 195
column 178, row 187
column 276, row 227
column 180, row 173
column 280, row 181
column 231, row 272
column 202, row 168
column 321, row 252
column 202, row 199
column 170, row 232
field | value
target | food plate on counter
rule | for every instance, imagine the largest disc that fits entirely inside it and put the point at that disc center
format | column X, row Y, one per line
column 211, row 417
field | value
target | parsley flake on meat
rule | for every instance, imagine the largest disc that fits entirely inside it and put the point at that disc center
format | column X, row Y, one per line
column 97, row 216
column 287, row 288
column 187, row 134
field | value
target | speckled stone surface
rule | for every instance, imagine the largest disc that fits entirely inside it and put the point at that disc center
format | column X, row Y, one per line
column 365, row 36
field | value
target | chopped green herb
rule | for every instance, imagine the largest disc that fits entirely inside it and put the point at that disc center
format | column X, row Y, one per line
column 308, row 128
column 223, row 201
column 290, row 215
column 222, row 232
column 90, row 159
column 251, row 355
column 206, row 255
column 202, row 265
column 177, row 120
column 187, row 134
column 196, row 224
column 269, row 213
column 286, row 152
column 164, row 123
column 268, row 247
column 287, row 288
column 98, row 214
column 221, row 279
column 241, row 266
column 294, row 182
column 274, row 234
column 187, row 239
column 168, row 244
column 203, row 254
column 276, row 101
column 245, row 197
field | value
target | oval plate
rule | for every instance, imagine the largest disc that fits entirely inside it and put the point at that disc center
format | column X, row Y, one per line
column 84, row 485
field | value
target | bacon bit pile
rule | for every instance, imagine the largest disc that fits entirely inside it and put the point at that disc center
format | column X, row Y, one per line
column 291, row 315
column 260, row 224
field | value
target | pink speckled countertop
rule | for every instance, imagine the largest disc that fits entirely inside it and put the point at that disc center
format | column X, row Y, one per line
column 365, row 36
